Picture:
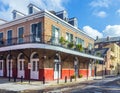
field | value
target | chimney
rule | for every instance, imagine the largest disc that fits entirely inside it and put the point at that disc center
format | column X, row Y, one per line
column 108, row 38
column 17, row 14
column 33, row 9
column 73, row 21
column 97, row 37
column 63, row 15
column 2, row 21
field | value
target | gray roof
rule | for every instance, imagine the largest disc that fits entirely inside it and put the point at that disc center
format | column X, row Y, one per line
column 108, row 39
column 102, row 51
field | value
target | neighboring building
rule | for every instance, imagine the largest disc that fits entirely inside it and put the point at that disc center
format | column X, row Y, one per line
column 103, row 68
column 43, row 45
column 112, row 43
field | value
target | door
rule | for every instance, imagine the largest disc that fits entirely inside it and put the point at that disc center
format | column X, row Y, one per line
column 9, row 68
column 57, row 71
column 20, row 68
column 9, row 37
column 55, row 35
column 34, row 69
column 1, row 67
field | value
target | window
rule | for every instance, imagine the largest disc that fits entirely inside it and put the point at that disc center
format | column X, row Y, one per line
column 9, row 37
column 20, row 65
column 90, row 46
column 14, row 15
column 55, row 35
column 36, row 32
column 69, row 37
column 30, row 10
column 37, row 65
column 0, row 65
column 79, row 41
column 20, row 35
column 34, row 65
column 1, row 39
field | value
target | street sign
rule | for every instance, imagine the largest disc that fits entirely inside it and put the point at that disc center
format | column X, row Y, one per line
column 29, row 66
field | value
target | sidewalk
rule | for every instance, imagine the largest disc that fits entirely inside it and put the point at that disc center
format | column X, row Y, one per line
column 35, row 86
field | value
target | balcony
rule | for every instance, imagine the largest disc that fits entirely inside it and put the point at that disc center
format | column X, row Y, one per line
column 47, row 42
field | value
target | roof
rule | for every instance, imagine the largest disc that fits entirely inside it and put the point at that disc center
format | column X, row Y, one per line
column 102, row 51
column 108, row 39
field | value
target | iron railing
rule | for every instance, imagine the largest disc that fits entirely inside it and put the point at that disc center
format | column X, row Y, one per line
column 55, row 41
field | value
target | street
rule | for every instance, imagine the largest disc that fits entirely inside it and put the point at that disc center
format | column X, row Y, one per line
column 107, row 85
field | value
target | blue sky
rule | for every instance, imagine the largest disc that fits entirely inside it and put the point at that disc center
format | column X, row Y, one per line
column 95, row 17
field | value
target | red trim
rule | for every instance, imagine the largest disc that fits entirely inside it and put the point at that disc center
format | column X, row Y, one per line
column 49, row 73
column 67, row 73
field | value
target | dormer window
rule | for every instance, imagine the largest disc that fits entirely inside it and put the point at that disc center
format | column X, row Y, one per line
column 33, row 9
column 14, row 15
column 30, row 10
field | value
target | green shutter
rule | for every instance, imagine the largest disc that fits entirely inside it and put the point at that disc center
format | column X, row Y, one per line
column 33, row 28
column 39, row 30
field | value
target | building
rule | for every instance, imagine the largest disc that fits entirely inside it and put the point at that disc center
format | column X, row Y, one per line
column 113, row 44
column 44, row 44
column 103, row 68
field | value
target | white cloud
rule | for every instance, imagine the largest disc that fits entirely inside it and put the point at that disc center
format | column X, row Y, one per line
column 100, row 3
column 101, row 14
column 92, row 32
column 112, row 31
column 21, row 5
column 118, row 12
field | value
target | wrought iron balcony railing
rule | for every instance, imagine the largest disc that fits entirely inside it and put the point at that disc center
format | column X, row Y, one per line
column 44, row 40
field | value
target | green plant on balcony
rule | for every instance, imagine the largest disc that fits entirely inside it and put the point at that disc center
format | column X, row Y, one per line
column 62, row 41
column 70, row 44
column 79, row 47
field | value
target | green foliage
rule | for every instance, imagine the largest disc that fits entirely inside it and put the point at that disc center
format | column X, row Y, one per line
column 73, row 76
column 70, row 45
column 79, row 47
column 80, row 76
column 62, row 41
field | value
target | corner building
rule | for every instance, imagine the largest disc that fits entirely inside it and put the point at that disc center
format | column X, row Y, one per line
column 30, row 46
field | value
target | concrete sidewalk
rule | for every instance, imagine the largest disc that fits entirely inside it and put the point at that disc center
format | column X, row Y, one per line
column 35, row 86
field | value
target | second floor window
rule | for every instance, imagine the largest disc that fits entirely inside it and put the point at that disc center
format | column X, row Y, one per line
column 79, row 41
column 90, row 46
column 20, row 35
column 1, row 39
column 36, row 32
column 69, row 37
column 55, row 35
column 9, row 37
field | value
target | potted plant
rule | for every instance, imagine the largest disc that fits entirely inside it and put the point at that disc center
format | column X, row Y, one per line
column 80, row 76
column 70, row 45
column 62, row 41
column 79, row 47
